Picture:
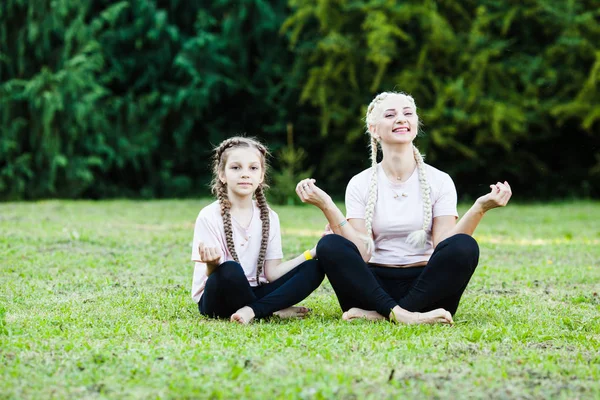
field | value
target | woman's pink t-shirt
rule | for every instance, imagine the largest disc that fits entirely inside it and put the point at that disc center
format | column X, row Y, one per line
column 210, row 231
column 399, row 212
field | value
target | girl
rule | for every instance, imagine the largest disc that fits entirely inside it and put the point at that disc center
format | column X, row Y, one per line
column 238, row 271
column 402, row 255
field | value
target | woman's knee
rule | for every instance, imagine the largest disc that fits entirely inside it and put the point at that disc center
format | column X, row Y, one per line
column 330, row 245
column 465, row 247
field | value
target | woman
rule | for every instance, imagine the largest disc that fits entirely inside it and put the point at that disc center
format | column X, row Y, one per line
column 400, row 252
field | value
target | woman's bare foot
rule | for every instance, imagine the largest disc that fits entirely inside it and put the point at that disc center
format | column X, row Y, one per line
column 437, row 316
column 355, row 313
column 292, row 312
column 243, row 316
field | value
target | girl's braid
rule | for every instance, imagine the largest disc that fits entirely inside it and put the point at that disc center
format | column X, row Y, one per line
column 225, row 207
column 264, row 217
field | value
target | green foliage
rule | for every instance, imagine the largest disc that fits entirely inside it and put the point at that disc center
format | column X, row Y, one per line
column 499, row 84
column 127, row 98
column 283, row 190
column 291, row 160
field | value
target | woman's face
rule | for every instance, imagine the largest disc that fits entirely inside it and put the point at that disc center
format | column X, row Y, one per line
column 397, row 120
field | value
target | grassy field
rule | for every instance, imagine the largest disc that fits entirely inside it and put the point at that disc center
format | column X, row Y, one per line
column 95, row 303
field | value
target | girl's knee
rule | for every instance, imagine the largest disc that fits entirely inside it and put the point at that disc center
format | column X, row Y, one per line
column 314, row 270
column 229, row 271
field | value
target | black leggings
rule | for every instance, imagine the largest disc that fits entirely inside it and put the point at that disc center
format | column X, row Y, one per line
column 439, row 284
column 227, row 290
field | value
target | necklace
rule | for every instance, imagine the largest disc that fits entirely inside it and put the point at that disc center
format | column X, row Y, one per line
column 396, row 195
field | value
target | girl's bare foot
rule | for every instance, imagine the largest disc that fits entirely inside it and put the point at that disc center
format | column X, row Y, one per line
column 437, row 316
column 355, row 312
column 292, row 312
column 243, row 316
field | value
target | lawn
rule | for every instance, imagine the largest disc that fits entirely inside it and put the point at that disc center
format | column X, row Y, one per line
column 95, row 303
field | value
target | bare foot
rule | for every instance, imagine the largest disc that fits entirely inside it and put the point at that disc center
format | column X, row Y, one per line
column 355, row 312
column 292, row 312
column 437, row 316
column 243, row 316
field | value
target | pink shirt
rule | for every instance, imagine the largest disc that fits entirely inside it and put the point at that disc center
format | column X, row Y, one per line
column 399, row 212
column 209, row 230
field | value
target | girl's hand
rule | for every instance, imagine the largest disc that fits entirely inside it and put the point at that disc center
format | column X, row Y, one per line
column 498, row 197
column 209, row 255
column 310, row 193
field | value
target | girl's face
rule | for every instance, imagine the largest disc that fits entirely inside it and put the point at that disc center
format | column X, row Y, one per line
column 243, row 171
column 397, row 121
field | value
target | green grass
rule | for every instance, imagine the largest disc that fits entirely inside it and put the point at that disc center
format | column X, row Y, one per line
column 95, row 303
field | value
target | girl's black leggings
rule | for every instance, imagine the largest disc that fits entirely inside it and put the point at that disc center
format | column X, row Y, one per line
column 227, row 290
column 439, row 284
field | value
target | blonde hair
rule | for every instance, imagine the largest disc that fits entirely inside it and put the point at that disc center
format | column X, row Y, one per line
column 417, row 238
column 219, row 189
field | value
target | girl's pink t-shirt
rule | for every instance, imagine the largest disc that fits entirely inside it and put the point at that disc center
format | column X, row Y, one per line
column 247, row 240
column 399, row 212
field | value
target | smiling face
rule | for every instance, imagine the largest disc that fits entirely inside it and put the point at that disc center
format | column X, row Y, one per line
column 242, row 171
column 394, row 120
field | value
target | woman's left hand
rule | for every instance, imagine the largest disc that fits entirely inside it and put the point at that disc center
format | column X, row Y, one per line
column 498, row 197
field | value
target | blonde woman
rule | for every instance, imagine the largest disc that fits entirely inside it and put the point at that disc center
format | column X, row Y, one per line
column 400, row 252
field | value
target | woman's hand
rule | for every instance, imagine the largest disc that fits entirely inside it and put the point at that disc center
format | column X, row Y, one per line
column 327, row 231
column 209, row 255
column 498, row 197
column 312, row 194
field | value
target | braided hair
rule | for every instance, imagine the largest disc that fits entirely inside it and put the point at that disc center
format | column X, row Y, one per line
column 219, row 189
column 417, row 238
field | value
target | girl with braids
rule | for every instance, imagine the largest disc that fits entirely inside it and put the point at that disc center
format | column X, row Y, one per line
column 399, row 252
column 238, row 272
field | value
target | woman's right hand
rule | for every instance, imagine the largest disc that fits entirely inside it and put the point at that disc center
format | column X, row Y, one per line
column 310, row 193
column 209, row 255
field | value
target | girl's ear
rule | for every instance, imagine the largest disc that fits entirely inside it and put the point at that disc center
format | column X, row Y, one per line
column 222, row 178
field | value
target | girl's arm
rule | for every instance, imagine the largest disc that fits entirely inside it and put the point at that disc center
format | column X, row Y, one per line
column 211, row 256
column 446, row 226
column 275, row 269
column 206, row 245
column 355, row 231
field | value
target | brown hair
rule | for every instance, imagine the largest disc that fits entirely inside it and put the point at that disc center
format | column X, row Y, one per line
column 219, row 189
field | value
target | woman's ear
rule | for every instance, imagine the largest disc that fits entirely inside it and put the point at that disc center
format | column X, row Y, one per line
column 373, row 131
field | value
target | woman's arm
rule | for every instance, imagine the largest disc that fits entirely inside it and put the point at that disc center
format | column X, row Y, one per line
column 355, row 231
column 446, row 226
